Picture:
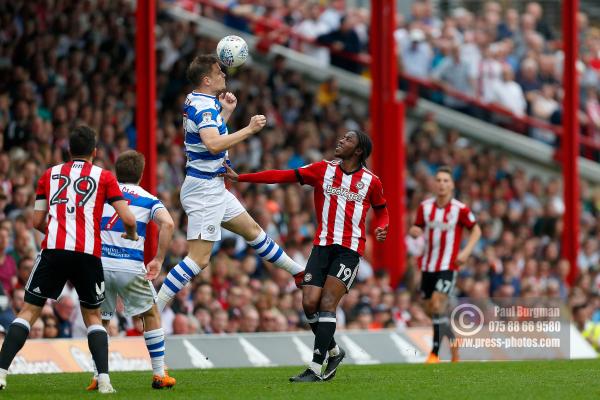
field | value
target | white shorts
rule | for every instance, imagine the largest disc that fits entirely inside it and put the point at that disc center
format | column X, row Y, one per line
column 137, row 293
column 207, row 204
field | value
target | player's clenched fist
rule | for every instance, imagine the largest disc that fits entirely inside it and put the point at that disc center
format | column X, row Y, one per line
column 381, row 233
column 228, row 101
column 257, row 122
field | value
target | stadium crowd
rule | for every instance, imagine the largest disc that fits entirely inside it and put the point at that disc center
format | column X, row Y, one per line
column 506, row 57
column 64, row 65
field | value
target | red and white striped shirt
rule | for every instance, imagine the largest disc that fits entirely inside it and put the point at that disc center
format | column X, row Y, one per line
column 74, row 194
column 443, row 229
column 341, row 202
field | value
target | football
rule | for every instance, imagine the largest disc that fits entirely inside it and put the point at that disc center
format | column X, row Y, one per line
column 232, row 51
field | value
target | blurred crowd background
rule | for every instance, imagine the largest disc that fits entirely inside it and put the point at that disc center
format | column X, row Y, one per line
column 506, row 57
column 67, row 62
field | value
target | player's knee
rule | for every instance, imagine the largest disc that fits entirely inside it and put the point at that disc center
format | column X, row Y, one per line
column 437, row 302
column 91, row 316
column 430, row 308
column 310, row 306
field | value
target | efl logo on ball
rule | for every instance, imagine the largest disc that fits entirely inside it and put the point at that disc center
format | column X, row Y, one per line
column 232, row 51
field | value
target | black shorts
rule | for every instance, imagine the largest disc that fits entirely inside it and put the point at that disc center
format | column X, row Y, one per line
column 336, row 261
column 442, row 281
column 53, row 268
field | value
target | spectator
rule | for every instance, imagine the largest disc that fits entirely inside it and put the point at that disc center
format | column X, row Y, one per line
column 454, row 74
column 249, row 319
column 543, row 105
column 333, row 14
column 416, row 54
column 240, row 13
column 219, row 321
column 508, row 94
column 17, row 300
column 528, row 78
column 63, row 310
column 20, row 200
column 203, row 317
column 310, row 28
column 344, row 40
column 489, row 73
column 23, row 271
column 536, row 11
column 37, row 330
column 23, row 247
column 510, row 26
column 8, row 267
column 181, row 325
column 50, row 326
column 592, row 107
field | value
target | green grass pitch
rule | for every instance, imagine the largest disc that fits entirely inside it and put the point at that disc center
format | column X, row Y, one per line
column 468, row 380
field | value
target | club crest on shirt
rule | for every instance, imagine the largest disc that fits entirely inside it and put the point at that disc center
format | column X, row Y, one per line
column 206, row 117
column 360, row 185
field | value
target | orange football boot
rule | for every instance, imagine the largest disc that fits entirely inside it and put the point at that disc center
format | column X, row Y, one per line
column 432, row 359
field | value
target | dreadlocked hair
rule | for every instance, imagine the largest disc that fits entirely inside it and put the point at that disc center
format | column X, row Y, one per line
column 365, row 144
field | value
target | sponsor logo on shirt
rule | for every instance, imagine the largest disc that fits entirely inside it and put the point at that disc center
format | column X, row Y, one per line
column 343, row 192
column 444, row 226
column 115, row 252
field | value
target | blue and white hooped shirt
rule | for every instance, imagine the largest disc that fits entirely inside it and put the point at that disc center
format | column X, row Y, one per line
column 202, row 111
column 119, row 254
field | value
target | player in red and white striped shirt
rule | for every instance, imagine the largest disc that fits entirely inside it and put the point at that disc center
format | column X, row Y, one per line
column 74, row 194
column 68, row 209
column 344, row 192
column 441, row 220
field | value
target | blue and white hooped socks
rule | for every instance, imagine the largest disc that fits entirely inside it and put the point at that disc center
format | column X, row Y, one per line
column 176, row 279
column 268, row 250
column 155, row 342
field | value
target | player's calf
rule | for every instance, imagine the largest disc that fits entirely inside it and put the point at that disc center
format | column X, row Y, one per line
column 155, row 343
column 17, row 334
column 268, row 250
column 14, row 341
column 176, row 279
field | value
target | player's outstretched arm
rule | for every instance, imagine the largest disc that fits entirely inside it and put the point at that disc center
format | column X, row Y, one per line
column 123, row 211
column 216, row 143
column 166, row 226
column 270, row 176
